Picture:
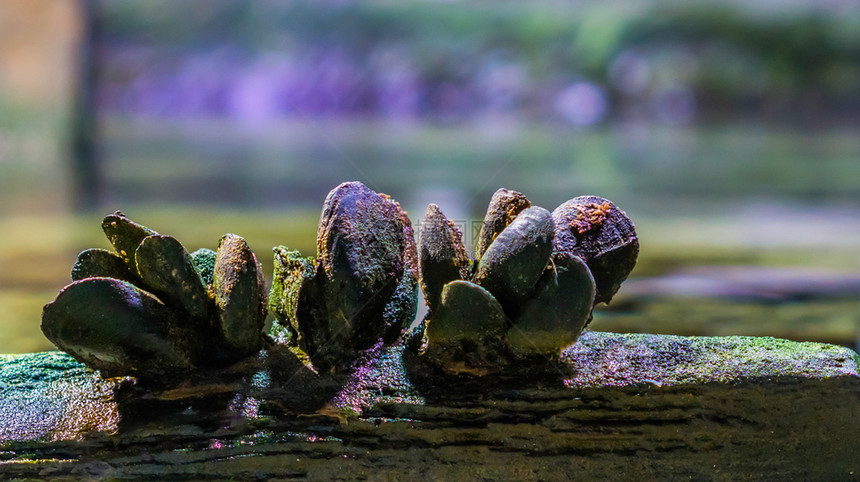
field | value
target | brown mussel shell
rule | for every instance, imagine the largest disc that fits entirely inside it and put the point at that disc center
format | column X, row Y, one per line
column 442, row 255
column 240, row 296
column 115, row 327
column 512, row 264
column 595, row 230
column 505, row 206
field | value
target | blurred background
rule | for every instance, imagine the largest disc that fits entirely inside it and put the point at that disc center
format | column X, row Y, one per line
column 728, row 130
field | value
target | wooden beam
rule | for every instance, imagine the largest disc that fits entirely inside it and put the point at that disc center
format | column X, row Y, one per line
column 645, row 406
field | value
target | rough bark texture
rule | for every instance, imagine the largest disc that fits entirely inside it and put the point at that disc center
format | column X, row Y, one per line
column 648, row 406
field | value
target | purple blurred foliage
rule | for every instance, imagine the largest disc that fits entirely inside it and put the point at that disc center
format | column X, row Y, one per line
column 328, row 82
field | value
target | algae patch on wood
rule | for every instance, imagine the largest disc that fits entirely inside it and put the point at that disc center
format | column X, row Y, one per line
column 658, row 406
column 611, row 359
column 49, row 396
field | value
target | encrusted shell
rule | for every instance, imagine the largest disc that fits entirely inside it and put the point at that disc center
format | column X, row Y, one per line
column 125, row 236
column 240, row 295
column 505, row 206
column 442, row 255
column 363, row 287
column 360, row 245
column 594, row 229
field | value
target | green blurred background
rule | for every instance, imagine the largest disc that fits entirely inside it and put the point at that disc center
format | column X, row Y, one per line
column 727, row 130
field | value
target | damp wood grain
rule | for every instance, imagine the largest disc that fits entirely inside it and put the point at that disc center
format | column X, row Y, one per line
column 644, row 406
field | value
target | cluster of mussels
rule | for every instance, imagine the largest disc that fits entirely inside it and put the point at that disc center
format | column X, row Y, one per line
column 151, row 309
column 532, row 285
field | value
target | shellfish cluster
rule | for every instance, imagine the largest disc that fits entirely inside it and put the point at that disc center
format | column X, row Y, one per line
column 531, row 287
column 362, row 287
column 151, row 310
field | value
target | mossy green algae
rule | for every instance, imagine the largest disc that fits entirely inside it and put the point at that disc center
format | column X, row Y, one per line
column 49, row 396
column 610, row 359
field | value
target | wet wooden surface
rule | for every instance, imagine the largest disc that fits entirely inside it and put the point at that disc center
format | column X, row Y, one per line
column 641, row 406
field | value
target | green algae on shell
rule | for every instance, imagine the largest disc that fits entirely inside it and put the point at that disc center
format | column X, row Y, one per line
column 517, row 257
column 291, row 270
column 203, row 261
column 115, row 327
column 240, row 296
column 554, row 317
column 442, row 255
